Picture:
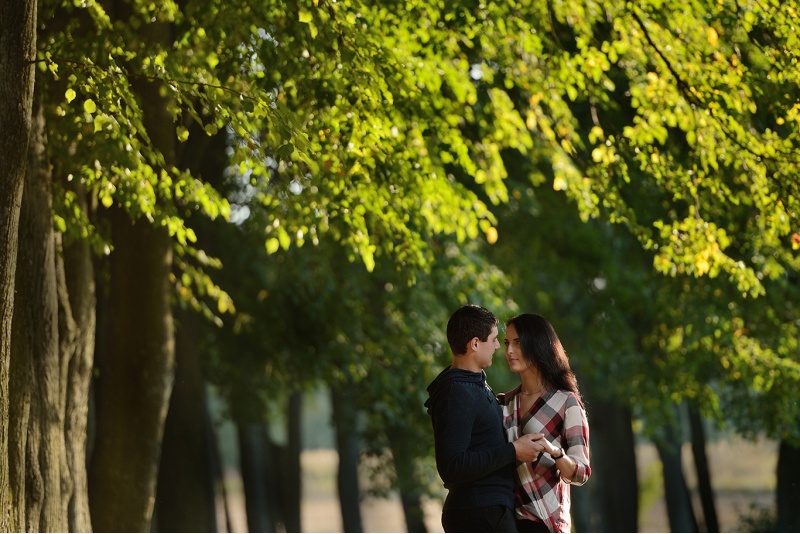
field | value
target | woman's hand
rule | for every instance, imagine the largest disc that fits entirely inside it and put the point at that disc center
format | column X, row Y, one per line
column 564, row 463
column 548, row 447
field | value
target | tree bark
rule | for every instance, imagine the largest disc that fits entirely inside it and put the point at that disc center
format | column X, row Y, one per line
column 185, row 497
column 344, row 415
column 37, row 438
column 788, row 488
column 679, row 503
column 703, row 473
column 78, row 301
column 17, row 55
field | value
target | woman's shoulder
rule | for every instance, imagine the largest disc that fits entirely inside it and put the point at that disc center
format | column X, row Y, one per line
column 566, row 398
column 507, row 397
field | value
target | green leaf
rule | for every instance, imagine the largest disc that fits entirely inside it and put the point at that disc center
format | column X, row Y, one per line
column 284, row 151
column 305, row 16
column 272, row 245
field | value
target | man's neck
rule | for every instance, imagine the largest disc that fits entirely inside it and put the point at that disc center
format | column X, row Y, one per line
column 465, row 363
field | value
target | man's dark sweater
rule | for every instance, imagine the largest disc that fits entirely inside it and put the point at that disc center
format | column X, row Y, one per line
column 473, row 457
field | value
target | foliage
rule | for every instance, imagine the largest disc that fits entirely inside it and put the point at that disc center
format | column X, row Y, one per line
column 364, row 119
column 664, row 92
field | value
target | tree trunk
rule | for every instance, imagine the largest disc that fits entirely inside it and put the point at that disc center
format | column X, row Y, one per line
column 613, row 487
column 188, row 469
column 679, row 503
column 253, row 455
column 185, row 497
column 291, row 472
column 703, row 474
column 271, row 473
column 133, row 389
column 413, row 512
column 17, row 54
column 37, row 438
column 403, row 456
column 344, row 415
column 78, row 300
column 788, row 488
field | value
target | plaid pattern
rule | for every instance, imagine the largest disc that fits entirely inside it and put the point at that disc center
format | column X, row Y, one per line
column 540, row 492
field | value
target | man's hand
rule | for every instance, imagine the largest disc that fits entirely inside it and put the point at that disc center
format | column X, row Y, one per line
column 528, row 447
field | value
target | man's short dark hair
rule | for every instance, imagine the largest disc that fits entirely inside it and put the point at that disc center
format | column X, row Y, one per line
column 467, row 322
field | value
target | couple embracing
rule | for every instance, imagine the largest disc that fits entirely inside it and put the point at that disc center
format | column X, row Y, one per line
column 508, row 460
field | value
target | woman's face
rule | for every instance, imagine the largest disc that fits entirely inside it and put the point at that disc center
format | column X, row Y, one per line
column 516, row 361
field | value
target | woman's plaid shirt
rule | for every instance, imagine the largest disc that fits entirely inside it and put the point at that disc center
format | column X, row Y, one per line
column 541, row 492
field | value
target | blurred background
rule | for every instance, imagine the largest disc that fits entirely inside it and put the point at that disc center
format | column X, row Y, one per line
column 744, row 488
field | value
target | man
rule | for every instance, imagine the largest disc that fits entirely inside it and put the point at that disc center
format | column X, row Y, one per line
column 473, row 458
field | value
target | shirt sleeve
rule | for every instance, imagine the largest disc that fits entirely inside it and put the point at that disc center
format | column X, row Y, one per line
column 576, row 430
column 453, row 433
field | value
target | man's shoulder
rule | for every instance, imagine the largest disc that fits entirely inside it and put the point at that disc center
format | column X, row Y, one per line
column 459, row 386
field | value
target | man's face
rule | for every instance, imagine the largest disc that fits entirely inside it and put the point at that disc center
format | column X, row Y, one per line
column 486, row 349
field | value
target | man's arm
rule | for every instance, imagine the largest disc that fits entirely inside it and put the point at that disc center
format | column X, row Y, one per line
column 453, row 426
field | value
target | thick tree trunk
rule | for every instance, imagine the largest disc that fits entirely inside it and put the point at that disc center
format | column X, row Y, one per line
column 17, row 55
column 38, row 429
column 185, row 497
column 703, row 473
column 133, row 389
column 679, row 503
column 788, row 488
column 613, row 486
column 344, row 416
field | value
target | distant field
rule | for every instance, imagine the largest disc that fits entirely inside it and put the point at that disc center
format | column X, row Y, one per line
column 743, row 474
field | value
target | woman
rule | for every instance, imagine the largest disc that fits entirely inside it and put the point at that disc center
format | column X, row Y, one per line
column 547, row 401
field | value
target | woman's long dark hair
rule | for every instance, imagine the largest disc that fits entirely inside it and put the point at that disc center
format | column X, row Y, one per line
column 541, row 347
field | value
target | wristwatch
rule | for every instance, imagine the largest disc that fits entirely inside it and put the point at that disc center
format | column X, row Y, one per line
column 559, row 456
